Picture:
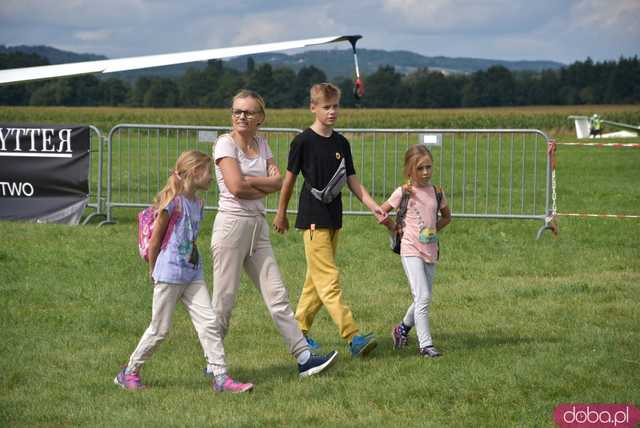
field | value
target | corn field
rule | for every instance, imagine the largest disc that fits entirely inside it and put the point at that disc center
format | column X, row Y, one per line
column 550, row 119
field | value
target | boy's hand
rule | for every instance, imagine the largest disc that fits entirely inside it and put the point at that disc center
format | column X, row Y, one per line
column 281, row 223
column 380, row 214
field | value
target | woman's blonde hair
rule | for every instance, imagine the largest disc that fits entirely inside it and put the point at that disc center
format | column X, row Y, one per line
column 411, row 158
column 327, row 91
column 186, row 165
column 247, row 93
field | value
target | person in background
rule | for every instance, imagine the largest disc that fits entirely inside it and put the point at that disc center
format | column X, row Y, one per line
column 595, row 126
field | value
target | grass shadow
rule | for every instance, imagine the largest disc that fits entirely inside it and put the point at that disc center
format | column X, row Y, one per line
column 472, row 341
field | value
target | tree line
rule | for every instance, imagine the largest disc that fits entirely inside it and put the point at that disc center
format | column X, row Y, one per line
column 583, row 82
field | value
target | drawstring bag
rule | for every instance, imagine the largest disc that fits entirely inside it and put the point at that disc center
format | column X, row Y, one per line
column 333, row 187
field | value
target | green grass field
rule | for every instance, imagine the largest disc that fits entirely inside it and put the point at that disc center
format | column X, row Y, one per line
column 524, row 325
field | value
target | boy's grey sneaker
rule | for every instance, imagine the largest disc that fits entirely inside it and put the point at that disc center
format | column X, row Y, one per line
column 361, row 346
column 312, row 343
column 317, row 364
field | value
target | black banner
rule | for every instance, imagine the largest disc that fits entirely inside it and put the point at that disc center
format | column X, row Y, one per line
column 44, row 172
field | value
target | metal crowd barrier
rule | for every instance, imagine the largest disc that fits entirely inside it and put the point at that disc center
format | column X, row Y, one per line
column 485, row 173
column 96, row 143
column 140, row 158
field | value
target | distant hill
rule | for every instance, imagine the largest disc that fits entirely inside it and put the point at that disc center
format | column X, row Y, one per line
column 55, row 56
column 334, row 62
column 339, row 62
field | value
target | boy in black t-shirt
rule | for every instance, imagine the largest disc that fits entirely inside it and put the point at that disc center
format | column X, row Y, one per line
column 324, row 158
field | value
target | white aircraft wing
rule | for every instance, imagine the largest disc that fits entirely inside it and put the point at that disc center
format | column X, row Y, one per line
column 26, row 74
column 622, row 125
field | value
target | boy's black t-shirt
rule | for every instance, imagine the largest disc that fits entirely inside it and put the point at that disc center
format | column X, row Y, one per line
column 318, row 157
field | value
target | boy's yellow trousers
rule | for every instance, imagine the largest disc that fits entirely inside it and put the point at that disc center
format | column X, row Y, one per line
column 322, row 284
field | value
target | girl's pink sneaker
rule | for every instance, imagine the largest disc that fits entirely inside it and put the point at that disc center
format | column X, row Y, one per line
column 232, row 386
column 128, row 381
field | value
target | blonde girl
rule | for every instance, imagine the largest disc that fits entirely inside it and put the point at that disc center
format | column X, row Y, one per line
column 176, row 270
column 419, row 245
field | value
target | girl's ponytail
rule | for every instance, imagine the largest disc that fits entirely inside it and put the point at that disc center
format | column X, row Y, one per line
column 173, row 187
column 186, row 164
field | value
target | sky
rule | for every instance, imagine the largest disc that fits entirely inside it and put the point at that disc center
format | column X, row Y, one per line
column 558, row 30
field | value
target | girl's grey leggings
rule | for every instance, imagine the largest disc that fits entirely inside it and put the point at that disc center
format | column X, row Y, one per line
column 420, row 275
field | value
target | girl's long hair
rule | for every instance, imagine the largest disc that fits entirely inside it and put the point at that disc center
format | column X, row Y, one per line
column 186, row 165
column 411, row 158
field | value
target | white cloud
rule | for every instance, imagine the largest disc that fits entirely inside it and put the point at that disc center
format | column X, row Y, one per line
column 595, row 29
column 595, row 15
column 468, row 16
column 279, row 25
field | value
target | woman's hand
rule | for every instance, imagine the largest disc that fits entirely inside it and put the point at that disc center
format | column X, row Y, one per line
column 269, row 183
column 236, row 182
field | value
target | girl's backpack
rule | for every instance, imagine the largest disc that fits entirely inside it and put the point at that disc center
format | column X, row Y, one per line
column 146, row 220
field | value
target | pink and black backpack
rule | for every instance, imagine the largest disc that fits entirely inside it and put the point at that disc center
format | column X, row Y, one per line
column 146, row 220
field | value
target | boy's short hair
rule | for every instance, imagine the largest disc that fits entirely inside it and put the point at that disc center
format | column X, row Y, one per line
column 327, row 91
